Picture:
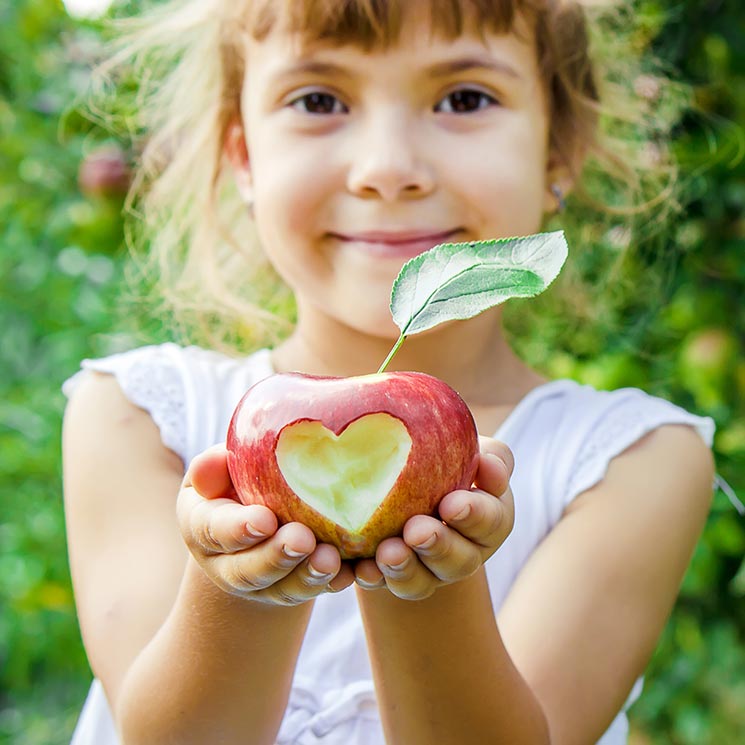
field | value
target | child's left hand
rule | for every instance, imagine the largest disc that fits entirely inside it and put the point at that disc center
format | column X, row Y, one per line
column 433, row 552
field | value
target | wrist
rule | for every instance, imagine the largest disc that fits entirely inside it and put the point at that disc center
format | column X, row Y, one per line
column 246, row 649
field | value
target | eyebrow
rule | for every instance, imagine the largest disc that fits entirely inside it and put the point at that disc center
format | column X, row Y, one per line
column 312, row 67
column 441, row 69
column 466, row 64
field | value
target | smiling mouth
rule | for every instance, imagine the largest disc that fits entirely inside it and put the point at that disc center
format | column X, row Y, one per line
column 395, row 244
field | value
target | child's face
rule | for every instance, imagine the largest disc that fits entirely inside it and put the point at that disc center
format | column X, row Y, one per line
column 359, row 160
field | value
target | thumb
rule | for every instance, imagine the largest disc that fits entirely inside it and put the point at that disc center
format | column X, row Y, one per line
column 490, row 446
column 495, row 466
column 208, row 474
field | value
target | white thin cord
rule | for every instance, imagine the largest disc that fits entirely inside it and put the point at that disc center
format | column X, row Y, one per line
column 720, row 483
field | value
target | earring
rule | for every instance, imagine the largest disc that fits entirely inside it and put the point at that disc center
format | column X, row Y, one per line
column 559, row 194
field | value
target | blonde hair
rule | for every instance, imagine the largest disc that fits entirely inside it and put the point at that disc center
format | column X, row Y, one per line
column 176, row 75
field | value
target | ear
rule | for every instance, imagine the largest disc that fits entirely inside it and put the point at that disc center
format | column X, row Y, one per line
column 558, row 175
column 236, row 152
column 562, row 171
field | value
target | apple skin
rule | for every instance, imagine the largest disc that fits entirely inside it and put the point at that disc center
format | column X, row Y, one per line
column 105, row 173
column 443, row 456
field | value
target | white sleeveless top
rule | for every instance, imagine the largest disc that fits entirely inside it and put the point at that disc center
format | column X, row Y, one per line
column 563, row 436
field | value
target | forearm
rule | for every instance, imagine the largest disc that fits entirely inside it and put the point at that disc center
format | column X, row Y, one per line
column 442, row 672
column 219, row 670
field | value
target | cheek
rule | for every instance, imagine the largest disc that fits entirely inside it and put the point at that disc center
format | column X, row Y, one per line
column 286, row 210
column 291, row 189
column 509, row 188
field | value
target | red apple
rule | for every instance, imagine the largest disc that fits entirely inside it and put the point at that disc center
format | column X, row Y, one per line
column 351, row 458
column 105, row 172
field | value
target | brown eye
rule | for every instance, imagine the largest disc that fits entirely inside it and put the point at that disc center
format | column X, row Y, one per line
column 319, row 103
column 465, row 100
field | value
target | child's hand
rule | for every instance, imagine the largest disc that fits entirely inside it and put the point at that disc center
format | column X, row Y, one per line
column 430, row 553
column 240, row 546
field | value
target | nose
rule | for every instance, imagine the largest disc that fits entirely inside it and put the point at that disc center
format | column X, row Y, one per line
column 388, row 161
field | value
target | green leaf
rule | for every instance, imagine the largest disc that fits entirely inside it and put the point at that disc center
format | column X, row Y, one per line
column 455, row 281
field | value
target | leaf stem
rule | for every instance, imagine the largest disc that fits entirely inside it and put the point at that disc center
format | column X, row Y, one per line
column 391, row 353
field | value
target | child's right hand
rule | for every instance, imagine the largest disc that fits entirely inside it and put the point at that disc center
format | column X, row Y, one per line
column 241, row 548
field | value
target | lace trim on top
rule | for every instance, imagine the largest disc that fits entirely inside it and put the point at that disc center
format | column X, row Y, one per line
column 633, row 417
column 158, row 387
column 151, row 379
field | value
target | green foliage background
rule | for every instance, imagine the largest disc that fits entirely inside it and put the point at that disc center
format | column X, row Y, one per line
column 61, row 260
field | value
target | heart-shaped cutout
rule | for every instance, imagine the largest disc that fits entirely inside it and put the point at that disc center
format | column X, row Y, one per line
column 344, row 477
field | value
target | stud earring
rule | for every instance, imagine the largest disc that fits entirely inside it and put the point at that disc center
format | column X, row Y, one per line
column 559, row 194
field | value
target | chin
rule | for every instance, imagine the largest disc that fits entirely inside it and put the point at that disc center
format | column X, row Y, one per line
column 382, row 329
column 370, row 318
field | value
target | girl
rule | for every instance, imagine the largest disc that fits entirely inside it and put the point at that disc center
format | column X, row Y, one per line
column 358, row 135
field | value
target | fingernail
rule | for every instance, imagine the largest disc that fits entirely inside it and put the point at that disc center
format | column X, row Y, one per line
column 253, row 532
column 462, row 515
column 503, row 458
column 318, row 576
column 290, row 554
column 428, row 543
column 494, row 458
column 396, row 569
column 368, row 585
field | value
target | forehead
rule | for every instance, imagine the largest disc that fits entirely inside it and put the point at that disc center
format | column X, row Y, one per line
column 379, row 24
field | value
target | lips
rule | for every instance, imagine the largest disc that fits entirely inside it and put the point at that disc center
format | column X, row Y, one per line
column 396, row 243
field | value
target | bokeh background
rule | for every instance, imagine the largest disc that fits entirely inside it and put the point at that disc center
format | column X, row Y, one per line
column 62, row 181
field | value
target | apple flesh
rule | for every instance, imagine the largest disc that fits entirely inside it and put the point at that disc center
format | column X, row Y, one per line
column 351, row 458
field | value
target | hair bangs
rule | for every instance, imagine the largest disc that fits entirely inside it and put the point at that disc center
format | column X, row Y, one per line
column 372, row 24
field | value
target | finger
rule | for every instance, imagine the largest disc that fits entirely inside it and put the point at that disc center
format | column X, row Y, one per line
column 307, row 580
column 266, row 563
column 447, row 554
column 208, row 474
column 493, row 474
column 222, row 526
column 342, row 580
column 368, row 576
column 497, row 447
column 479, row 516
column 405, row 576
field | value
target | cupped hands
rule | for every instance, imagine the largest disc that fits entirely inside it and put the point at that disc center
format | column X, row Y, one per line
column 433, row 552
column 244, row 551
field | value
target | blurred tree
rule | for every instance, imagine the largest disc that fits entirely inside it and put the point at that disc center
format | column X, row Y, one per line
column 59, row 267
